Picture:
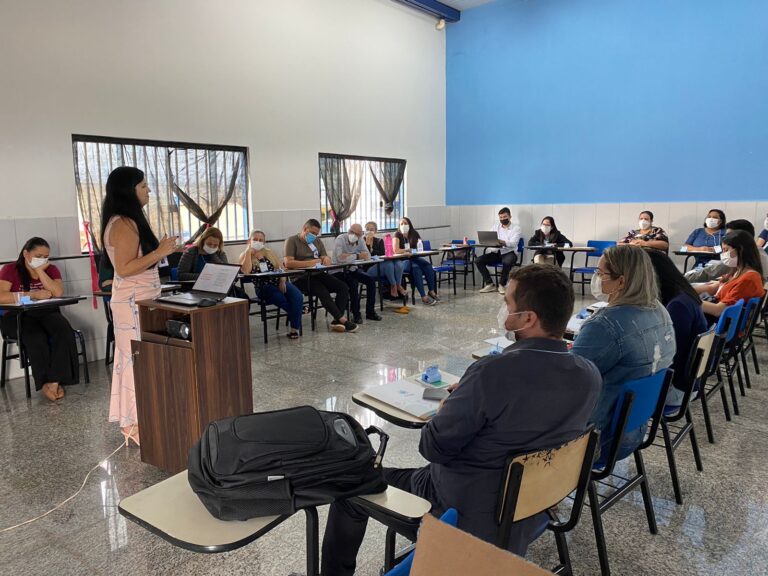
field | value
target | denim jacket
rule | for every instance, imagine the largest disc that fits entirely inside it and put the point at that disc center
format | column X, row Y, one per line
column 625, row 343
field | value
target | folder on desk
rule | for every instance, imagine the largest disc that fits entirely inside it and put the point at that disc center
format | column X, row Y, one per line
column 406, row 396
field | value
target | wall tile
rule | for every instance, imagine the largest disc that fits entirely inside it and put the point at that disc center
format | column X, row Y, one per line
column 68, row 234
column 683, row 220
column 9, row 249
column 26, row 228
column 629, row 214
column 608, row 224
column 742, row 210
column 584, row 223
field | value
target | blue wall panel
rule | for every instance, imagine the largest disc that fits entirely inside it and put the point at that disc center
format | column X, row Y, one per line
column 573, row 101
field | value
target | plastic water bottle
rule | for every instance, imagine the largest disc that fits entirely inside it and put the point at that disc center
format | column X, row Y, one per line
column 389, row 250
column 420, row 246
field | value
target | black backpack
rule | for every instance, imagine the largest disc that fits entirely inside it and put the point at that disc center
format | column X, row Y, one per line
column 273, row 463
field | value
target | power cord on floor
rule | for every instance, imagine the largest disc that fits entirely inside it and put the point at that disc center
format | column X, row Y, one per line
column 91, row 471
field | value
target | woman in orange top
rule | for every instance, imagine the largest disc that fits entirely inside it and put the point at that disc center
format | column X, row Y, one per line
column 745, row 282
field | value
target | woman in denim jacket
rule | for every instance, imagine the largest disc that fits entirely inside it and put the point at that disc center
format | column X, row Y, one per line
column 630, row 338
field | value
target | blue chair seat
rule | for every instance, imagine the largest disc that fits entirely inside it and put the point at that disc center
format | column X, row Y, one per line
column 443, row 268
column 585, row 270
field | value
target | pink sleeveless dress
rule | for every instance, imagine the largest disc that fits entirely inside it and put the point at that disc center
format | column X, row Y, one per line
column 125, row 314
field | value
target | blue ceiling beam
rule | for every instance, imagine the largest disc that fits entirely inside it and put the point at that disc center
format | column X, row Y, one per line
column 435, row 8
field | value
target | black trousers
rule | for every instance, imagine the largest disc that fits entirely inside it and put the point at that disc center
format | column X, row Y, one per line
column 491, row 259
column 49, row 343
column 345, row 529
column 354, row 279
column 323, row 285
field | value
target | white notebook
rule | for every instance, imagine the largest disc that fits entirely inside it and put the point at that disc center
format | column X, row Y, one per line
column 406, row 396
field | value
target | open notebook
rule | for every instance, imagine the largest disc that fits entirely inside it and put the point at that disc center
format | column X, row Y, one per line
column 406, row 396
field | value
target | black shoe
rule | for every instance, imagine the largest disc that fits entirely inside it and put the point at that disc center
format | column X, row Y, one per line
column 350, row 326
column 373, row 316
column 337, row 326
column 358, row 320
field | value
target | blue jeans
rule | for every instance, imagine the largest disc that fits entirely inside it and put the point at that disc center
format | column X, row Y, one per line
column 292, row 301
column 419, row 268
column 392, row 270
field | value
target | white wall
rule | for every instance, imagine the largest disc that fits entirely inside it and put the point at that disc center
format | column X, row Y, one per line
column 287, row 79
column 582, row 222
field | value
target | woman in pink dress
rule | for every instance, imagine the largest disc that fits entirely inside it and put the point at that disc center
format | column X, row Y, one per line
column 134, row 252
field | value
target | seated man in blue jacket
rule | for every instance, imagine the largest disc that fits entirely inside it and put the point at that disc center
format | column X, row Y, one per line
column 535, row 395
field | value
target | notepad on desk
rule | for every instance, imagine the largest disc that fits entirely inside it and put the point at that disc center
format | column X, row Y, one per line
column 406, row 396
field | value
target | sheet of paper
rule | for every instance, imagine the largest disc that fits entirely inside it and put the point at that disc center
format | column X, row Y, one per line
column 216, row 278
column 499, row 341
column 596, row 306
column 405, row 395
column 574, row 325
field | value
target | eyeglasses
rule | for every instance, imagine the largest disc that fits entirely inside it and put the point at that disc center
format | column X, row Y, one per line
column 603, row 275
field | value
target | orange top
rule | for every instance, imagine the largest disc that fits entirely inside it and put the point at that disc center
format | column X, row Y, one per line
column 747, row 285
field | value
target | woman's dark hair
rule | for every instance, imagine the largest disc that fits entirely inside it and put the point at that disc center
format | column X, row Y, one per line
column 413, row 234
column 21, row 266
column 746, row 250
column 671, row 281
column 720, row 214
column 121, row 200
column 539, row 235
column 647, row 212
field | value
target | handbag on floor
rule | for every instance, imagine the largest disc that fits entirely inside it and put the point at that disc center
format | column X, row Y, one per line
column 272, row 463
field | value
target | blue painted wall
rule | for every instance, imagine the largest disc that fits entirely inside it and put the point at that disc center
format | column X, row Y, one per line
column 573, row 101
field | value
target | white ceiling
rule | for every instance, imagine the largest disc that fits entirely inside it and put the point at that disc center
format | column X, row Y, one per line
column 464, row 4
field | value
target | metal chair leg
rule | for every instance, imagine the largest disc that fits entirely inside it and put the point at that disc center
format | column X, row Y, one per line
column 84, row 354
column 25, row 366
column 707, row 417
column 744, row 365
column 5, row 361
column 597, row 522
column 645, row 489
column 563, row 555
column 389, row 549
column 694, row 442
column 754, row 356
column 313, row 539
column 670, row 450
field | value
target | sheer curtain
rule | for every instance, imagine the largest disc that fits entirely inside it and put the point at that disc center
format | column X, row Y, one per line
column 388, row 176
column 343, row 180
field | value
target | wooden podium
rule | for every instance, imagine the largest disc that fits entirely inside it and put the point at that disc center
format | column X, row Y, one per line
column 182, row 385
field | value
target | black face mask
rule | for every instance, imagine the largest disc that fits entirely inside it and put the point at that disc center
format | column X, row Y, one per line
column 504, row 221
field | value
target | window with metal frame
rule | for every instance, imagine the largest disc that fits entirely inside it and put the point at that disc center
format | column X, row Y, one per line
column 193, row 185
column 360, row 189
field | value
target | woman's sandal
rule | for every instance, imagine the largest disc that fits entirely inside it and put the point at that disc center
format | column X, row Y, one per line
column 293, row 335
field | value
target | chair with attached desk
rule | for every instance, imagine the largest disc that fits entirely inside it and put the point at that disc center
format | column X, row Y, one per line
column 674, row 432
column 725, row 331
column 730, row 357
column 519, row 262
column 537, row 482
column 600, row 246
column 266, row 311
column 443, row 271
column 463, row 261
column 640, row 403
column 749, row 344
column 24, row 361
column 744, row 342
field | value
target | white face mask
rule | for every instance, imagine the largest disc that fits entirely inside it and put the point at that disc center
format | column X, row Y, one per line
column 501, row 318
column 370, row 233
column 38, row 262
column 257, row 245
column 404, row 229
column 644, row 224
column 546, row 229
column 712, row 222
column 596, row 286
column 728, row 260
column 353, row 238
column 209, row 249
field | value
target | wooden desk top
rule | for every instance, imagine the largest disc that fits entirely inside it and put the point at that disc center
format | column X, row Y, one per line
column 227, row 302
column 42, row 304
column 387, row 411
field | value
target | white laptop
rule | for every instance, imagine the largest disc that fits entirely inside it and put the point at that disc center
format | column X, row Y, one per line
column 214, row 283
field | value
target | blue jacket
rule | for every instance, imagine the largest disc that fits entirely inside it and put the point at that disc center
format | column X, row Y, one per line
column 625, row 343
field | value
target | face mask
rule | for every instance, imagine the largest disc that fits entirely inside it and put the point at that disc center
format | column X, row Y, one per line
column 310, row 237
column 370, row 232
column 353, row 238
column 404, row 229
column 596, row 286
column 728, row 260
column 712, row 222
column 257, row 245
column 504, row 221
column 209, row 249
column 546, row 229
column 645, row 224
column 501, row 318
column 38, row 262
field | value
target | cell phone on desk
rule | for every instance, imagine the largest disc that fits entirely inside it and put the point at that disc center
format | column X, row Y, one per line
column 436, row 394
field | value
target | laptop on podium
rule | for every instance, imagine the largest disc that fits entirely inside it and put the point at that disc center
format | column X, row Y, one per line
column 214, row 283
